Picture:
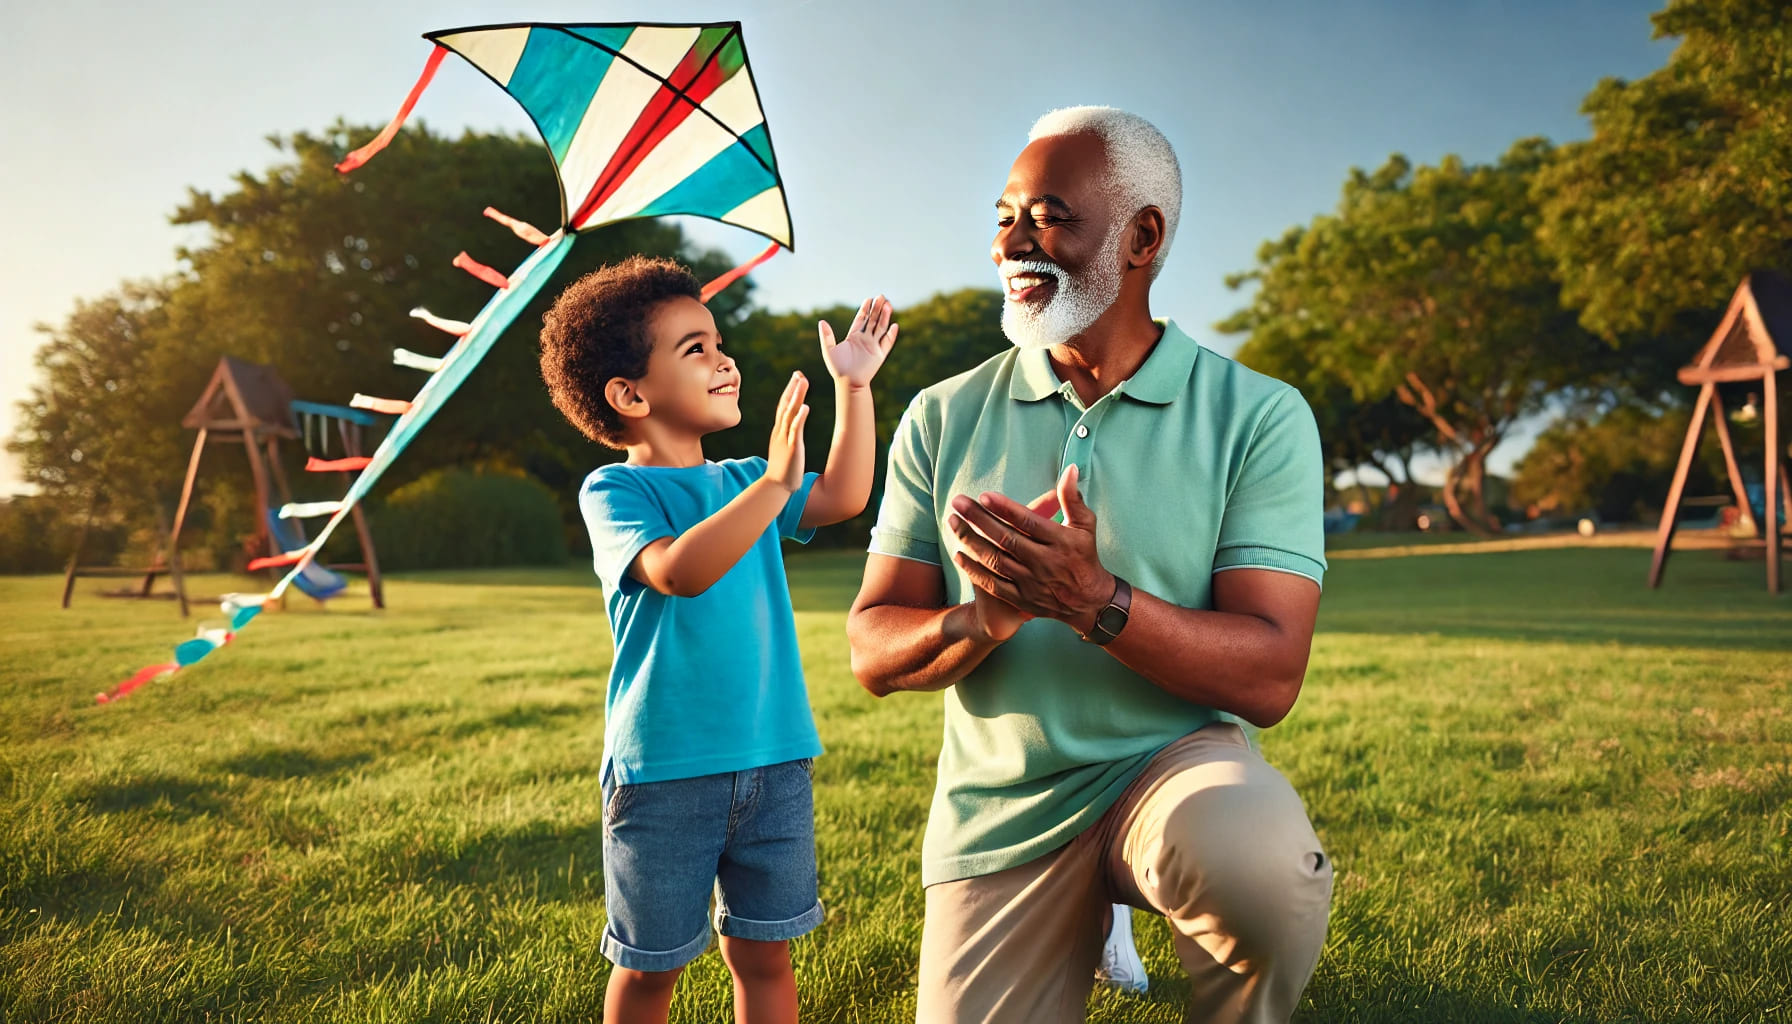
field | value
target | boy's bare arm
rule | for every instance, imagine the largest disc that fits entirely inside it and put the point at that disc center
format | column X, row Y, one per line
column 691, row 563
column 845, row 484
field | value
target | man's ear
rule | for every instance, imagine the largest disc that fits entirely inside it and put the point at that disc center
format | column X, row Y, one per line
column 625, row 398
column 1145, row 238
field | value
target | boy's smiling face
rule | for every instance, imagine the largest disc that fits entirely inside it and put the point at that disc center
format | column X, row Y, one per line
column 690, row 382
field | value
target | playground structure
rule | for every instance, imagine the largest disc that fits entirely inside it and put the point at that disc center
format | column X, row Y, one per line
column 249, row 403
column 1742, row 350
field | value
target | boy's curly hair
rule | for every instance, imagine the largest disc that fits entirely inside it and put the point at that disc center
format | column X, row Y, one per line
column 597, row 331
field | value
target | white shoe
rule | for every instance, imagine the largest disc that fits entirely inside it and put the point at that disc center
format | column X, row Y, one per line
column 1120, row 963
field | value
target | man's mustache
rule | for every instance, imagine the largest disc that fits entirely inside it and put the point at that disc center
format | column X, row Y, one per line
column 1010, row 268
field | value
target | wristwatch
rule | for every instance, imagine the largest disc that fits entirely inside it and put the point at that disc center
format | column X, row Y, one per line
column 1112, row 619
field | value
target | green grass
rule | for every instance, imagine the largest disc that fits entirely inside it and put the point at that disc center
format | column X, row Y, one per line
column 1551, row 795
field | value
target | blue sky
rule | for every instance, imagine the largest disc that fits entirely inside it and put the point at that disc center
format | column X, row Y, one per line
column 894, row 122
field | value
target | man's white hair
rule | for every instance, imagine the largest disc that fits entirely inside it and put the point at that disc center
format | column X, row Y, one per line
column 1143, row 167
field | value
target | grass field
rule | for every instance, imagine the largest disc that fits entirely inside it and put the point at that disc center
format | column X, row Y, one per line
column 1551, row 795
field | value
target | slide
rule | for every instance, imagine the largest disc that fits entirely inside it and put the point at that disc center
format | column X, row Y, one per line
column 316, row 581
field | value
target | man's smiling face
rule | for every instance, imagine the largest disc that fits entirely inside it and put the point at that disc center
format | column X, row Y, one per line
column 1057, row 240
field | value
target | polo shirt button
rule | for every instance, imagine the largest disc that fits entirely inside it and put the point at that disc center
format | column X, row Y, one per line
column 1082, row 430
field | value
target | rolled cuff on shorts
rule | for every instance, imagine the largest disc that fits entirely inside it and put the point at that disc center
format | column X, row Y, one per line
column 769, row 931
column 624, row 955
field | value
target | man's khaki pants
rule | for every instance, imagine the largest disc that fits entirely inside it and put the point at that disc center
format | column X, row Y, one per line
column 1209, row 835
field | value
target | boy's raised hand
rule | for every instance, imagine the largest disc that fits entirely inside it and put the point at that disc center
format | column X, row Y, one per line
column 784, row 463
column 856, row 359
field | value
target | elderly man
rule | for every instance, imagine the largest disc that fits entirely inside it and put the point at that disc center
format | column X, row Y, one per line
column 1099, row 646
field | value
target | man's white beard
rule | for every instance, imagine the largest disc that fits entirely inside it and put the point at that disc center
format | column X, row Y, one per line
column 1076, row 302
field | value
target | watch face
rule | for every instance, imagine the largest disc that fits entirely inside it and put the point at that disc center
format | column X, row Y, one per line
column 1111, row 620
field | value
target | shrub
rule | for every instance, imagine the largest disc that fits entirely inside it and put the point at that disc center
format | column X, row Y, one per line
column 37, row 535
column 458, row 518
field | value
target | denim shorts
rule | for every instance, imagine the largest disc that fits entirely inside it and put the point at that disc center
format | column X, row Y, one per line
column 748, row 836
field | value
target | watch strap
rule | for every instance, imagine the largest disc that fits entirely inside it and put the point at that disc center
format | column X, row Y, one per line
column 1121, row 602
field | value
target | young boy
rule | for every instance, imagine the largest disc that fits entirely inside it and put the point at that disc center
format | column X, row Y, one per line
column 708, row 738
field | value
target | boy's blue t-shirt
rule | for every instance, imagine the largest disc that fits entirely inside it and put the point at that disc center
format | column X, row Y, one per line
column 704, row 684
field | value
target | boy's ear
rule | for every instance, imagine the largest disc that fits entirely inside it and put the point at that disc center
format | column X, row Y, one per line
column 625, row 398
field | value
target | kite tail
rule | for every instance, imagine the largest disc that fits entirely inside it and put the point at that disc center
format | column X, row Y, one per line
column 713, row 288
column 482, row 333
column 240, row 608
column 380, row 141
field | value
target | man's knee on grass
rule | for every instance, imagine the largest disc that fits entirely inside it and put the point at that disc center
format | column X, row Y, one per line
column 1251, row 881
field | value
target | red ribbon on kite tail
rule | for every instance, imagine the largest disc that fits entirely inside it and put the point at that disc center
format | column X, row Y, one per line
column 713, row 288
column 142, row 676
column 380, row 141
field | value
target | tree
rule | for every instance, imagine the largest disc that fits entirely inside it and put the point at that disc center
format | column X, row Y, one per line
column 97, row 417
column 1617, row 466
column 1427, row 286
column 1686, row 184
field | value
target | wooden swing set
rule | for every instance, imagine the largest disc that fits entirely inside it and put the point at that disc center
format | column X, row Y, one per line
column 248, row 403
column 1743, row 350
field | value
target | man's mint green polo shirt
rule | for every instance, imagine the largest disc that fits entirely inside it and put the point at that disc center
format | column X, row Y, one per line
column 1195, row 465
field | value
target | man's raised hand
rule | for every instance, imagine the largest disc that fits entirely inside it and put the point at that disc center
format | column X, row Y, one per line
column 1040, row 568
column 998, row 619
column 855, row 360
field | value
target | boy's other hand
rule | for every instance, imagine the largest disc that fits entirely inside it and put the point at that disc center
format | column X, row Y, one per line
column 855, row 360
column 784, row 463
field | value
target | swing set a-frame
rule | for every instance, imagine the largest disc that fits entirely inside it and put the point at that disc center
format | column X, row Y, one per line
column 1745, row 349
column 248, row 403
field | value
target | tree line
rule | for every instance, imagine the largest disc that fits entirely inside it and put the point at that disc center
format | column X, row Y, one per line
column 1433, row 310
column 1438, row 306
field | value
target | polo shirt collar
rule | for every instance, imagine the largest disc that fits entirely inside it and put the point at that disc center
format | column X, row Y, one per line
column 1159, row 381
column 1033, row 377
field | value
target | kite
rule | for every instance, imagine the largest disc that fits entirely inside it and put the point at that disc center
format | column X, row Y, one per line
column 642, row 120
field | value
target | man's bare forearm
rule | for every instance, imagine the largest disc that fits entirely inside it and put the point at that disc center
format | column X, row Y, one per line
column 896, row 647
column 1241, row 664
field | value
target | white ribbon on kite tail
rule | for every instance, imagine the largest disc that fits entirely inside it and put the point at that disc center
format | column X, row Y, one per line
column 406, row 358
column 456, row 366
